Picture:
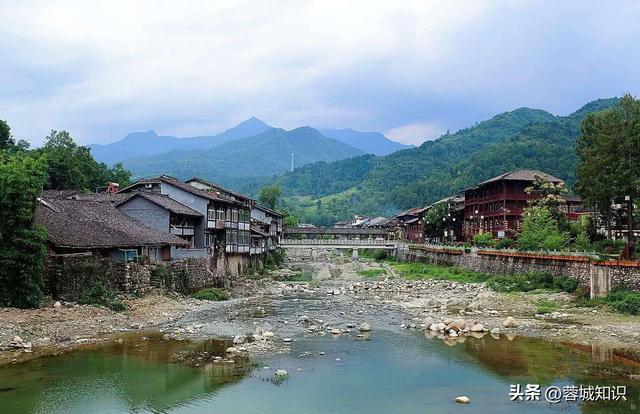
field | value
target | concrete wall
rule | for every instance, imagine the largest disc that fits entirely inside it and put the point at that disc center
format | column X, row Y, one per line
column 148, row 213
column 623, row 274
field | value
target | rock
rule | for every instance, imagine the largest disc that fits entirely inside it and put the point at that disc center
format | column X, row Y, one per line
column 57, row 305
column 509, row 322
column 239, row 339
column 453, row 334
column 287, row 340
column 365, row 327
column 281, row 373
column 268, row 334
column 232, row 350
column 463, row 399
column 495, row 331
column 478, row 327
column 336, row 331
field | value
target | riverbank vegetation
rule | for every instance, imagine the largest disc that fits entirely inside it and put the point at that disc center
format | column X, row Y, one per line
column 214, row 294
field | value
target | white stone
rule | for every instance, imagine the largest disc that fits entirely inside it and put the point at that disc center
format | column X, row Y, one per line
column 478, row 327
column 509, row 322
column 365, row 327
column 463, row 399
column 232, row 350
column 57, row 305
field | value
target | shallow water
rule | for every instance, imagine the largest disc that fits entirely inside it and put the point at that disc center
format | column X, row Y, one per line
column 393, row 372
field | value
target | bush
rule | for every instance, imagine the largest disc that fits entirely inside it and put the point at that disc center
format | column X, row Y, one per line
column 214, row 294
column 546, row 306
column 540, row 231
column 624, row 301
column 532, row 281
column 99, row 294
column 483, row 240
column 608, row 246
column 505, row 244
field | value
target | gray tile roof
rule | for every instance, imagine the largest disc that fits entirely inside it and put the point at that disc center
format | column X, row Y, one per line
column 83, row 224
column 163, row 201
column 523, row 175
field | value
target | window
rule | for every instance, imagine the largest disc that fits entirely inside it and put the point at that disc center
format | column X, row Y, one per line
column 211, row 214
column 220, row 214
column 209, row 239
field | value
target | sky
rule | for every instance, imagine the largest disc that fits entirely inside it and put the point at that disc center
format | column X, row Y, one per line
column 409, row 69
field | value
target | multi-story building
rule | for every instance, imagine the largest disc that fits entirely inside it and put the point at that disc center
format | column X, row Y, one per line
column 225, row 222
column 266, row 229
column 496, row 205
column 410, row 224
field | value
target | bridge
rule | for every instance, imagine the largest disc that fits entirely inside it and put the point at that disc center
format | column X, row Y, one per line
column 339, row 243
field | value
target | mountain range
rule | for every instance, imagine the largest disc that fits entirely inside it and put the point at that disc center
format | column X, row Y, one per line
column 250, row 149
column 324, row 193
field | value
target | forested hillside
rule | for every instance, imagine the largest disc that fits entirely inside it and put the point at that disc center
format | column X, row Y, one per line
column 263, row 155
column 523, row 138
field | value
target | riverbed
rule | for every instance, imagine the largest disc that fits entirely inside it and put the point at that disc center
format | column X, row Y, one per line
column 183, row 365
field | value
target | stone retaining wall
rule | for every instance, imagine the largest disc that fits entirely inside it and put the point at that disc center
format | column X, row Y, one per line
column 69, row 275
column 623, row 274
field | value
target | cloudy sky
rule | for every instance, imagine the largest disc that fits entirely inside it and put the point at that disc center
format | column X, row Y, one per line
column 409, row 69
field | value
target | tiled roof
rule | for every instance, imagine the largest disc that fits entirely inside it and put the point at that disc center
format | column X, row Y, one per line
column 165, row 202
column 85, row 224
column 181, row 185
column 219, row 187
column 268, row 210
column 523, row 175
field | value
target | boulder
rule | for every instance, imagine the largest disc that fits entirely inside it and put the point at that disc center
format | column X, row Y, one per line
column 364, row 327
column 478, row 327
column 239, row 339
column 57, row 305
column 463, row 399
column 509, row 322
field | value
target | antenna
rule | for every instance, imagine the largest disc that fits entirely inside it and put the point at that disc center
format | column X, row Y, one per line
column 292, row 162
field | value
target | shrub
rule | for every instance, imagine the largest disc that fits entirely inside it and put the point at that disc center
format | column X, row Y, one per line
column 532, row 281
column 546, row 306
column 540, row 231
column 505, row 244
column 624, row 301
column 212, row 294
column 608, row 246
column 98, row 294
column 483, row 240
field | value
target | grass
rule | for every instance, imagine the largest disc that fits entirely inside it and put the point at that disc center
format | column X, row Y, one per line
column 99, row 294
column 214, row 294
column 623, row 301
column 528, row 282
column 372, row 272
column 546, row 306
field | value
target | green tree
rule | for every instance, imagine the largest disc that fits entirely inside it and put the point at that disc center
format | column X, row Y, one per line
column 22, row 243
column 269, row 195
column 435, row 221
column 608, row 157
column 71, row 166
column 6, row 140
column 540, row 231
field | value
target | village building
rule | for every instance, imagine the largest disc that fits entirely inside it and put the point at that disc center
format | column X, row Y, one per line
column 266, row 229
column 410, row 224
column 98, row 228
column 496, row 205
column 226, row 223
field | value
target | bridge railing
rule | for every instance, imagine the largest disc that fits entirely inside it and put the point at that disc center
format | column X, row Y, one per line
column 350, row 242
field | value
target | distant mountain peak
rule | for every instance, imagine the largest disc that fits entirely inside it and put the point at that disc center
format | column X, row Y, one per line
column 252, row 122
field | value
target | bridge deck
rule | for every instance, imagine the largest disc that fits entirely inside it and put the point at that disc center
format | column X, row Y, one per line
column 339, row 243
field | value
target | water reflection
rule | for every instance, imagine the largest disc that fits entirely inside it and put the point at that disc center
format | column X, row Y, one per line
column 392, row 372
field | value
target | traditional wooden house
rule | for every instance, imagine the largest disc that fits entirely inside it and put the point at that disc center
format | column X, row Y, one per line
column 226, row 219
column 98, row 228
column 266, row 228
column 496, row 205
column 410, row 224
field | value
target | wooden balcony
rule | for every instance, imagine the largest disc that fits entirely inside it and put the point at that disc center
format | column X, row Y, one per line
column 215, row 224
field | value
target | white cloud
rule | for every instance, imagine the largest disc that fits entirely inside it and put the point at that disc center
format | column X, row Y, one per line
column 102, row 69
column 415, row 134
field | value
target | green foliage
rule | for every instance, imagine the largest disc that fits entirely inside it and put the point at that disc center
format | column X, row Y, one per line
column 540, row 231
column 22, row 243
column 70, row 166
column 524, row 138
column 505, row 244
column 434, row 225
column 269, row 196
column 609, row 155
column 583, row 244
column 532, row 281
column 372, row 272
column 608, row 246
column 624, row 301
column 546, row 306
column 273, row 259
column 6, row 140
column 99, row 294
column 214, row 294
column 483, row 240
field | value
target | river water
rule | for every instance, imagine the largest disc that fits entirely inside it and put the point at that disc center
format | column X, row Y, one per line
column 392, row 371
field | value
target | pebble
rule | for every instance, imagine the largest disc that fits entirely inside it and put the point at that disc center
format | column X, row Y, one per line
column 463, row 399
